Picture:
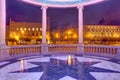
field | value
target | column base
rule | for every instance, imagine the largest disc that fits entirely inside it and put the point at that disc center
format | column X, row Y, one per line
column 80, row 49
column 44, row 48
column 4, row 52
column 2, row 45
column 118, row 54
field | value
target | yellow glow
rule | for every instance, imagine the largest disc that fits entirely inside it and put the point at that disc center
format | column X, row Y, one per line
column 69, row 32
column 57, row 35
column 40, row 29
column 11, row 35
column 17, row 29
column 37, row 29
column 22, row 32
column 33, row 29
column 16, row 37
column 75, row 36
column 69, row 60
column 48, row 42
column 116, row 35
column 21, row 28
column 66, row 37
column 40, row 37
column 89, row 35
column 25, row 29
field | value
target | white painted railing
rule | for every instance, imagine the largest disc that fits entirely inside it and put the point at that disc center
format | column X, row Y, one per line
column 29, row 50
column 101, row 49
column 4, row 52
column 24, row 50
column 105, row 51
column 70, row 48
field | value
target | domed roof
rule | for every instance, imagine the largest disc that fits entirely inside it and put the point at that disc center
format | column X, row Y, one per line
column 62, row 3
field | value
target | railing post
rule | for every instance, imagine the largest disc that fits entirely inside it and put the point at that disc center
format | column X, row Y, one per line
column 118, row 53
column 44, row 49
column 4, row 53
column 80, row 49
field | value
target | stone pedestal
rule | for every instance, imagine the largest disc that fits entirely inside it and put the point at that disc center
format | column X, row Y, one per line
column 44, row 49
column 80, row 49
column 4, row 53
column 118, row 53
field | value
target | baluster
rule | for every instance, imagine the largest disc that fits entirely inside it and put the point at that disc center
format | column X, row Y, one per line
column 96, row 51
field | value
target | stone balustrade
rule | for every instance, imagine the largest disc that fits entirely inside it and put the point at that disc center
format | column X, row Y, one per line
column 69, row 48
column 30, row 50
column 104, row 51
column 24, row 50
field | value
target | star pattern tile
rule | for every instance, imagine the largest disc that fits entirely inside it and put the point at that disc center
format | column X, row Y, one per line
column 57, row 69
column 67, row 78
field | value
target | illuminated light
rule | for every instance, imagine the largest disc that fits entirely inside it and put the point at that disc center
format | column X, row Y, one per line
column 25, row 29
column 33, row 29
column 29, row 29
column 69, row 32
column 11, row 35
column 75, row 36
column 36, row 29
column 16, row 37
column 69, row 59
column 41, row 29
column 17, row 29
column 116, row 35
column 90, row 35
column 22, row 65
column 66, row 37
column 21, row 29
column 40, row 37
column 48, row 42
column 57, row 35
column 22, row 32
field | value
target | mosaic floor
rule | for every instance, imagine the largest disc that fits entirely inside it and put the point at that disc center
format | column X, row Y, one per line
column 64, row 67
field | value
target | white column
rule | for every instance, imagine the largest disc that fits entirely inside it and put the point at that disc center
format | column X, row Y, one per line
column 80, row 30
column 44, row 48
column 2, row 22
column 4, row 50
column 44, row 24
column 80, row 24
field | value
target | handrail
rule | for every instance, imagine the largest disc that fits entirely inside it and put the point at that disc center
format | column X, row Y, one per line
column 29, row 50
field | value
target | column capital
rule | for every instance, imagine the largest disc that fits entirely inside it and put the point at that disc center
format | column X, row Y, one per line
column 44, row 7
column 80, row 7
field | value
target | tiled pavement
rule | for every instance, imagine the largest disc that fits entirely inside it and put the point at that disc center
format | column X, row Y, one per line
column 64, row 67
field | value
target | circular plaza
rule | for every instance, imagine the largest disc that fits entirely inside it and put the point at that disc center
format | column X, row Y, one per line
column 47, row 61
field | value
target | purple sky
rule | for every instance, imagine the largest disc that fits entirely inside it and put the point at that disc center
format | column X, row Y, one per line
column 108, row 10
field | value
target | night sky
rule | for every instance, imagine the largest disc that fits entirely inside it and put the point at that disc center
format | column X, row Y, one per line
column 108, row 12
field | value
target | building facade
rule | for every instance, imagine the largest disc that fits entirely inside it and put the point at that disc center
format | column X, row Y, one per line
column 31, row 33
column 25, row 33
column 102, row 34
